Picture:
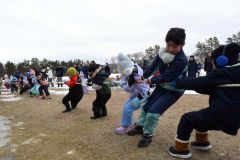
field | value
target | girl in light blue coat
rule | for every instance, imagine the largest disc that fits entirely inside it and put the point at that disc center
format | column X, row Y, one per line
column 137, row 89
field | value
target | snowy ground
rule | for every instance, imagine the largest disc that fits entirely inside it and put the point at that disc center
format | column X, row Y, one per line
column 7, row 96
column 4, row 131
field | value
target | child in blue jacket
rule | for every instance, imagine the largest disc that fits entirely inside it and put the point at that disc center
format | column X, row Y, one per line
column 171, row 63
column 133, row 84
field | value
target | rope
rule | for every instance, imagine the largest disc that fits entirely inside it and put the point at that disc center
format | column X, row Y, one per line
column 229, row 85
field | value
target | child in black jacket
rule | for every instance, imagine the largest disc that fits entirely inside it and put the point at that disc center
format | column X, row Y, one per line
column 223, row 113
column 103, row 91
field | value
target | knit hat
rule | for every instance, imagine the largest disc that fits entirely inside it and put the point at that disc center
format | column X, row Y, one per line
column 125, row 65
column 72, row 71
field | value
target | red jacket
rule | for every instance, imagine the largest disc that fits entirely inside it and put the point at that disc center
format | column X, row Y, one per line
column 72, row 82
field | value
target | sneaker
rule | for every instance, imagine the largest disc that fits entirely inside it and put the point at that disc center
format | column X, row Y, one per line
column 201, row 146
column 122, row 130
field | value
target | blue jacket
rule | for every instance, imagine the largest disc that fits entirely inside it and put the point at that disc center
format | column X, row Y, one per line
column 224, row 102
column 168, row 72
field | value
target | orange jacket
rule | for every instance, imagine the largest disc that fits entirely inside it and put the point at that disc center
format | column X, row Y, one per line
column 72, row 82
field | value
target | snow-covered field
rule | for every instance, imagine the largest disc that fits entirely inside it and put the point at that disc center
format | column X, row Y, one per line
column 4, row 131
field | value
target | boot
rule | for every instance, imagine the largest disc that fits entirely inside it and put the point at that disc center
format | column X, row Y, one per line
column 96, row 116
column 135, row 130
column 145, row 141
column 180, row 150
column 149, row 128
column 202, row 142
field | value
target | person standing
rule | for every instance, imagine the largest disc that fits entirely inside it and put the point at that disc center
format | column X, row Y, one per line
column 192, row 67
column 107, row 69
column 59, row 75
column 50, row 77
column 208, row 67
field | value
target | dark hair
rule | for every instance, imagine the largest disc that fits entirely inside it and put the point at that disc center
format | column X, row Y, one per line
column 176, row 35
column 192, row 58
column 93, row 62
column 93, row 67
column 232, row 53
column 37, row 73
column 131, row 79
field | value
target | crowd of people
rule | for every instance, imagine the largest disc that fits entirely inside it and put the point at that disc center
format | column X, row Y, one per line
column 169, row 75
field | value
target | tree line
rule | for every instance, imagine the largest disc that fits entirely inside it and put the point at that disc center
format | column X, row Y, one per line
column 142, row 58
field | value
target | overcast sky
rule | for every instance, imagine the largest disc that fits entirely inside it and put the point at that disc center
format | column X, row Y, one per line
column 100, row 29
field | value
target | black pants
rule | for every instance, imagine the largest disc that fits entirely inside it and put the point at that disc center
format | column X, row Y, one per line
column 203, row 121
column 99, row 104
column 74, row 97
column 45, row 89
column 14, row 88
column 24, row 89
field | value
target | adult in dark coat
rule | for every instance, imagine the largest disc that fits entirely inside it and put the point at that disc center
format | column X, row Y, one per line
column 78, row 69
column 208, row 67
column 107, row 69
column 59, row 75
column 192, row 67
column 199, row 65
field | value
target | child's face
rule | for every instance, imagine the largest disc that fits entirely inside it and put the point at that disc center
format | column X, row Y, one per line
column 173, row 48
